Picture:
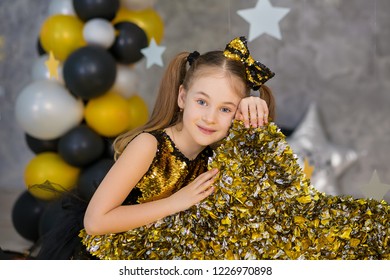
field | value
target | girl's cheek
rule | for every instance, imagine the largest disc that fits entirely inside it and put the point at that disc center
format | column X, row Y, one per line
column 228, row 121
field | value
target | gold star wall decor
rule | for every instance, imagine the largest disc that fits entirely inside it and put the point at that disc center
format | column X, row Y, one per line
column 308, row 169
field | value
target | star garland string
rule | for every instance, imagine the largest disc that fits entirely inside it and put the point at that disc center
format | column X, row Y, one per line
column 2, row 43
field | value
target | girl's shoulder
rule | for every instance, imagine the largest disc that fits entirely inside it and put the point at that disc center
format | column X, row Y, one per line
column 144, row 144
column 145, row 138
column 150, row 137
column 150, row 140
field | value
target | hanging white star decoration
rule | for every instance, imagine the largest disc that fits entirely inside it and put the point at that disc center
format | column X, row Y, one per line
column 264, row 18
column 153, row 54
column 311, row 145
column 375, row 188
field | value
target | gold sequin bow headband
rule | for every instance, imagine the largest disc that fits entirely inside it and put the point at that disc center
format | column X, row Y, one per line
column 256, row 72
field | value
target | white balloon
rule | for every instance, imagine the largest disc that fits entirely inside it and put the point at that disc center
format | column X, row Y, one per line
column 46, row 110
column 138, row 4
column 39, row 70
column 100, row 32
column 64, row 7
column 126, row 82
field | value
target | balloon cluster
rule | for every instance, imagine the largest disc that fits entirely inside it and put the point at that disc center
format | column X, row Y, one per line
column 70, row 121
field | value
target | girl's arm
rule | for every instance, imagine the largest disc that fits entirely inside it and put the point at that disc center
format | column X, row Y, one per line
column 105, row 212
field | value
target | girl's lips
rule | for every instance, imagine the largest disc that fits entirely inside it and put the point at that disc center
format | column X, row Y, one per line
column 206, row 130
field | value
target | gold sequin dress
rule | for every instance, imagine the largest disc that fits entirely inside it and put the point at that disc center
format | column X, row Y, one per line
column 170, row 170
column 263, row 208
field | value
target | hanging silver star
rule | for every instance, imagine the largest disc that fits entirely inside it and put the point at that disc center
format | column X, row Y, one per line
column 375, row 188
column 263, row 18
column 309, row 141
column 153, row 54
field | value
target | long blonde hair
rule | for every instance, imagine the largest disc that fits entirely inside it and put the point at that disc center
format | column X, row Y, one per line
column 166, row 111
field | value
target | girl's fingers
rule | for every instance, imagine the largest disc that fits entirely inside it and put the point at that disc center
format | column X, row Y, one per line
column 207, row 192
column 253, row 114
column 210, row 180
column 262, row 113
column 245, row 116
column 238, row 116
column 253, row 111
column 265, row 111
column 206, row 176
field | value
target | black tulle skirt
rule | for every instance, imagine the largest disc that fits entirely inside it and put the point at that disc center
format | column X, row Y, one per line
column 62, row 241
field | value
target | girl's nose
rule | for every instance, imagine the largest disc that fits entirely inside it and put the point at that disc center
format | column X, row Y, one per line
column 209, row 116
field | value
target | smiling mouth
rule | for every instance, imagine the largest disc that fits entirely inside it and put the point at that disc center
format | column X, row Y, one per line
column 206, row 131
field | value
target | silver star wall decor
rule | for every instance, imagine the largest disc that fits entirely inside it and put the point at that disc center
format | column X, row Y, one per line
column 375, row 188
column 330, row 161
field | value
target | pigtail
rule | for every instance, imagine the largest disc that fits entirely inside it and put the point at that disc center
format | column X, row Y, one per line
column 267, row 95
column 166, row 111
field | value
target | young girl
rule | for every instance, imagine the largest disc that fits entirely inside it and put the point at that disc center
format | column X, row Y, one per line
column 194, row 109
column 259, row 206
column 161, row 168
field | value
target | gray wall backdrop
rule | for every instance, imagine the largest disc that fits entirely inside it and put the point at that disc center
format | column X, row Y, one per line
column 335, row 53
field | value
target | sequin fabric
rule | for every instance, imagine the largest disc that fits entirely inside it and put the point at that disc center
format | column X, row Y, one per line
column 170, row 170
column 256, row 72
column 263, row 208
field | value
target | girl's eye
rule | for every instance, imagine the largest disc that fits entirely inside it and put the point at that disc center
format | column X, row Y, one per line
column 201, row 102
column 226, row 110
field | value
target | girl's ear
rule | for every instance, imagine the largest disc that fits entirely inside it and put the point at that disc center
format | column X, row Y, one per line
column 181, row 98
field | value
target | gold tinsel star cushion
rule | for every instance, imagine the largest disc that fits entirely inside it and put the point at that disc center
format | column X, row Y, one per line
column 263, row 208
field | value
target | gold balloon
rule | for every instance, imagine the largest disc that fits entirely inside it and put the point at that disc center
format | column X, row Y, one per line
column 108, row 114
column 148, row 19
column 47, row 175
column 139, row 113
column 62, row 34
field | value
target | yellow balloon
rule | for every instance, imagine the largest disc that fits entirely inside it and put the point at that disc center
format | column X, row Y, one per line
column 139, row 113
column 148, row 19
column 62, row 34
column 50, row 170
column 108, row 114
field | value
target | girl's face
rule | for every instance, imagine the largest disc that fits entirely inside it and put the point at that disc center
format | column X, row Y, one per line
column 209, row 105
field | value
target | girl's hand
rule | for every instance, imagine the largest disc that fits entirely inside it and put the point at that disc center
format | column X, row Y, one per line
column 194, row 192
column 253, row 111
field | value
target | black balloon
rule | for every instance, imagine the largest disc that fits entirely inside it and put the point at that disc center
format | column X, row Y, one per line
column 91, row 177
column 26, row 214
column 129, row 42
column 89, row 72
column 88, row 9
column 40, row 49
column 81, row 146
column 39, row 146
